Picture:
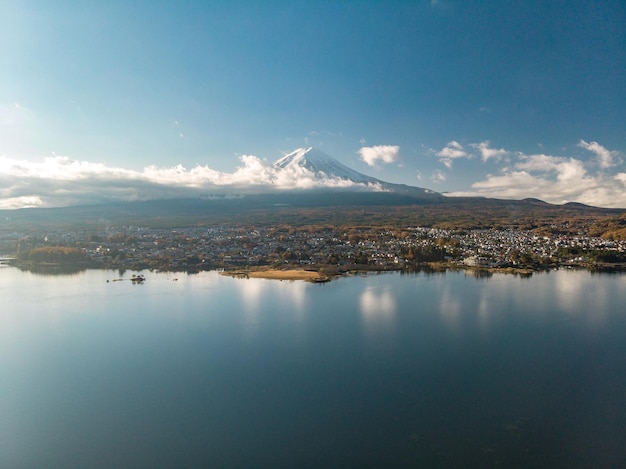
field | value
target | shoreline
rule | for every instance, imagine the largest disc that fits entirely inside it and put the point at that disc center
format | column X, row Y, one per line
column 315, row 276
column 326, row 273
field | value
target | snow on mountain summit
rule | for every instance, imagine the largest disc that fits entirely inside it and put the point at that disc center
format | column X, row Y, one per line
column 325, row 168
column 319, row 162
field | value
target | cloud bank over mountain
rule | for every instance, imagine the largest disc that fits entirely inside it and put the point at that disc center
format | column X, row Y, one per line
column 595, row 177
column 61, row 181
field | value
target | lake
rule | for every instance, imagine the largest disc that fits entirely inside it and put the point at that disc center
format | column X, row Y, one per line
column 387, row 370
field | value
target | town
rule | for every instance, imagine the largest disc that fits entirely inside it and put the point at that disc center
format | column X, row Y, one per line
column 198, row 248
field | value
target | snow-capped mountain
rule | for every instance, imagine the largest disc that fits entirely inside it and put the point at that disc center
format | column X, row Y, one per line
column 325, row 166
column 318, row 162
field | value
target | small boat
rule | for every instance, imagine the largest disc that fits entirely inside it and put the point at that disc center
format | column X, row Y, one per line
column 138, row 279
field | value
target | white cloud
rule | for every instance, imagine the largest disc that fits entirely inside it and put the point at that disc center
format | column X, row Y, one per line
column 438, row 177
column 451, row 151
column 59, row 181
column 557, row 179
column 447, row 162
column 606, row 158
column 20, row 202
column 487, row 153
column 383, row 153
column 566, row 170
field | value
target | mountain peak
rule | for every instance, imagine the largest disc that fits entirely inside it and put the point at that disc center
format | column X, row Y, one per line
column 323, row 165
column 317, row 162
column 305, row 157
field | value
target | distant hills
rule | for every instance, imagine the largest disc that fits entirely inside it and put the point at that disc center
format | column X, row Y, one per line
column 347, row 198
column 301, row 208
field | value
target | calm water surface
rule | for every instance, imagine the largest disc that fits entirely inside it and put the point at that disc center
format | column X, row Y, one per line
column 390, row 370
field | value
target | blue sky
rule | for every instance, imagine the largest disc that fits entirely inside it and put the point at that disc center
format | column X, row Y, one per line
column 500, row 98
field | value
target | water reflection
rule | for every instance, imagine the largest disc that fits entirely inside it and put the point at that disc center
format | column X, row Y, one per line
column 479, row 273
column 251, row 295
column 450, row 305
column 573, row 294
column 255, row 293
column 484, row 311
column 424, row 269
column 377, row 306
column 569, row 292
column 393, row 363
column 53, row 269
column 294, row 295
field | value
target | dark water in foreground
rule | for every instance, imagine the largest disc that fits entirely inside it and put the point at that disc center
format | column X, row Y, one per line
column 387, row 370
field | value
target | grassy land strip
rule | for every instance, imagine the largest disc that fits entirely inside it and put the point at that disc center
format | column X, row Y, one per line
column 280, row 274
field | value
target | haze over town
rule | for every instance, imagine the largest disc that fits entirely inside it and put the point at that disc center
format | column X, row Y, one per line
column 118, row 101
